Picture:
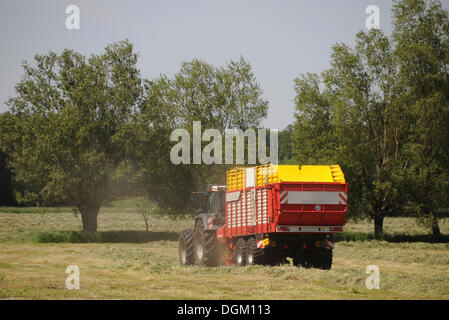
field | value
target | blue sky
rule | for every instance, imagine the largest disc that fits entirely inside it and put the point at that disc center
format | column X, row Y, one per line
column 281, row 39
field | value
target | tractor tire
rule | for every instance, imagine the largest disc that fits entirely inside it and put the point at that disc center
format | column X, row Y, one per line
column 207, row 250
column 254, row 255
column 240, row 249
column 186, row 247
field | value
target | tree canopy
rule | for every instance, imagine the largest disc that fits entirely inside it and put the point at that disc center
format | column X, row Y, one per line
column 84, row 130
column 221, row 98
column 64, row 132
column 381, row 111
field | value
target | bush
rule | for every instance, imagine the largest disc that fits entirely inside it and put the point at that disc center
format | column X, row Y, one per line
column 360, row 236
column 132, row 236
column 126, row 236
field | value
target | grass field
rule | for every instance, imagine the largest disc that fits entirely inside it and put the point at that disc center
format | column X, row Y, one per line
column 148, row 267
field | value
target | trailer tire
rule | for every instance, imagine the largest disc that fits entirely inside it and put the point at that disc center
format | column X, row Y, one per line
column 186, row 247
column 299, row 259
column 240, row 252
column 207, row 250
column 321, row 258
column 254, row 255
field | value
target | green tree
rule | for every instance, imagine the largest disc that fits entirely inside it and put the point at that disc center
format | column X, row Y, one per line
column 6, row 176
column 421, row 33
column 368, row 122
column 351, row 115
column 313, row 137
column 285, row 145
column 146, row 208
column 222, row 98
column 71, row 115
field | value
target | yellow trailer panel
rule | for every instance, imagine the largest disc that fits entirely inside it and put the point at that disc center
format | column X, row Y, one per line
column 237, row 178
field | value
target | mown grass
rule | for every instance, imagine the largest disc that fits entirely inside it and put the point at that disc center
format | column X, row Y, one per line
column 152, row 271
column 122, row 261
column 64, row 226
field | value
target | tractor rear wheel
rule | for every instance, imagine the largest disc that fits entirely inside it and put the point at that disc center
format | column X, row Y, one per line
column 254, row 255
column 240, row 249
column 186, row 247
column 207, row 250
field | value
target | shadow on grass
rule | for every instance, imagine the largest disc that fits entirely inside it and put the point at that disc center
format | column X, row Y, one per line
column 124, row 236
column 360, row 236
column 133, row 236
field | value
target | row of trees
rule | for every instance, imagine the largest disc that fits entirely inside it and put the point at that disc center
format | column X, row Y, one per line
column 85, row 130
column 381, row 110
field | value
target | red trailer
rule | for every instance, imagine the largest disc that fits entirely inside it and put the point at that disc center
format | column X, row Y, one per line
column 269, row 214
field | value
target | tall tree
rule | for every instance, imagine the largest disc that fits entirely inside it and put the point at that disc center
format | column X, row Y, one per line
column 66, row 139
column 313, row 137
column 222, row 98
column 368, row 122
column 351, row 115
column 285, row 145
column 6, row 176
column 421, row 33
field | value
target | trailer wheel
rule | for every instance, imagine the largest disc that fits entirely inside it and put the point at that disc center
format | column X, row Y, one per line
column 321, row 258
column 240, row 249
column 207, row 250
column 299, row 259
column 186, row 247
column 254, row 255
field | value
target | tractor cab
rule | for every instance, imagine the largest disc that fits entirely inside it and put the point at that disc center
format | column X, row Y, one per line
column 211, row 202
column 210, row 206
column 217, row 200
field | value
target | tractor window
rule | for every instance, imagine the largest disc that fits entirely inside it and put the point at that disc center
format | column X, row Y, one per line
column 217, row 202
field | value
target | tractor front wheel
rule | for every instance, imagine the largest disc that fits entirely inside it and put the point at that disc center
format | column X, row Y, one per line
column 186, row 247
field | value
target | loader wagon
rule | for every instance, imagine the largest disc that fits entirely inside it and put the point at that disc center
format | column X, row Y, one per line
column 266, row 214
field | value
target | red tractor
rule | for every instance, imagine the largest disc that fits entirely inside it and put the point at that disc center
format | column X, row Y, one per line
column 266, row 214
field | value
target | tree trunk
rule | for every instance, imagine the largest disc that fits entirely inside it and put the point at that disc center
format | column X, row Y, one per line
column 378, row 225
column 89, row 216
column 435, row 227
